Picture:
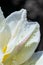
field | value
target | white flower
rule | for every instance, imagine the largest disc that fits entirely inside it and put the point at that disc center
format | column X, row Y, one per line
column 18, row 38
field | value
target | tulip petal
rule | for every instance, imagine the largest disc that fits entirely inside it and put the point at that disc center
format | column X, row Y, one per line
column 22, row 48
column 1, row 15
column 36, row 59
column 2, row 19
column 5, row 35
column 16, row 19
column 27, row 46
column 4, row 31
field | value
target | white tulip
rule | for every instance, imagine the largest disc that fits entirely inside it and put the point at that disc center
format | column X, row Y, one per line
column 19, row 38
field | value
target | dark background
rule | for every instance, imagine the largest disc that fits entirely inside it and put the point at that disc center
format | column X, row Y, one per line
column 34, row 12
